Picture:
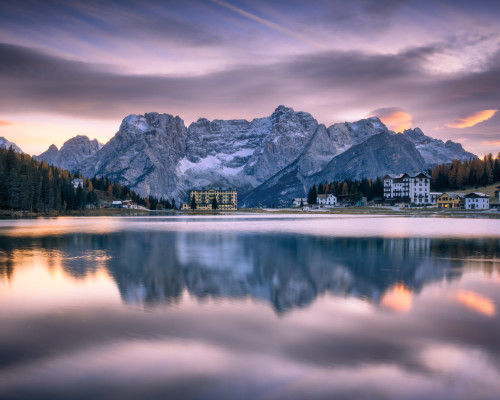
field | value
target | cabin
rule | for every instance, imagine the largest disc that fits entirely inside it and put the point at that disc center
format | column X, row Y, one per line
column 77, row 182
column 450, row 200
column 477, row 201
column 326, row 200
column 297, row 201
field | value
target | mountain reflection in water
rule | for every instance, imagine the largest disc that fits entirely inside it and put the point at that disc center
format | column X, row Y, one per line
column 223, row 314
column 288, row 270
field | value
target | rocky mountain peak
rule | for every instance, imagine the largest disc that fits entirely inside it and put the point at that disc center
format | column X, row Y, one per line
column 280, row 112
column 6, row 144
column 435, row 151
column 72, row 152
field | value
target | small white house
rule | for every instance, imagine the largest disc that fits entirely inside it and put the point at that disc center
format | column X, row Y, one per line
column 117, row 204
column 77, row 182
column 129, row 204
column 326, row 200
column 298, row 200
column 477, row 201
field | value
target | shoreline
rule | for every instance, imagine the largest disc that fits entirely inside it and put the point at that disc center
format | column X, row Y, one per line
column 387, row 211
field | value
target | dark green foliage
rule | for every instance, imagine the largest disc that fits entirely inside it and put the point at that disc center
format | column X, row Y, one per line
column 355, row 188
column 30, row 185
column 458, row 174
column 312, row 196
column 193, row 203
column 214, row 203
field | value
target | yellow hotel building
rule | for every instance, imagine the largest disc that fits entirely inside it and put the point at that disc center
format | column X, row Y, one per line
column 227, row 198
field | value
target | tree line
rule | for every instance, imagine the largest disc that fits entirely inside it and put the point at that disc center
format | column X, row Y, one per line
column 35, row 186
column 355, row 189
column 460, row 174
column 456, row 175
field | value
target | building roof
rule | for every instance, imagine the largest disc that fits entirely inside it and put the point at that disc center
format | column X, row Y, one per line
column 453, row 195
column 475, row 195
column 406, row 175
column 211, row 187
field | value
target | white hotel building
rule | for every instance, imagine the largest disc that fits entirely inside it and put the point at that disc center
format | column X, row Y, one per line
column 407, row 188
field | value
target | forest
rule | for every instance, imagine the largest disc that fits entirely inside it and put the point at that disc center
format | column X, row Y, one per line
column 459, row 175
column 33, row 186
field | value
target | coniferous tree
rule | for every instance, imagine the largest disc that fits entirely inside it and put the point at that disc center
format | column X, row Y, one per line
column 214, row 203
column 193, row 202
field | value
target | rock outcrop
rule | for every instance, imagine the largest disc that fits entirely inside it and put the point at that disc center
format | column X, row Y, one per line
column 435, row 151
column 72, row 152
column 6, row 144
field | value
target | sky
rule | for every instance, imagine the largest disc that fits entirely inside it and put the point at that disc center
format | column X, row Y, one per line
column 79, row 67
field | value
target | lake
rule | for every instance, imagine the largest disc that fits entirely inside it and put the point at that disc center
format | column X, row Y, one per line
column 250, row 307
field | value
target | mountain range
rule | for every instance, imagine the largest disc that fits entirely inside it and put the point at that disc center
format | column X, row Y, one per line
column 266, row 159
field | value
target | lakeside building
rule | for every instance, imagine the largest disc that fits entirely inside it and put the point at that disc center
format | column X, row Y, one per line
column 477, row 201
column 450, row 200
column 227, row 198
column 298, row 200
column 433, row 196
column 77, row 182
column 407, row 188
column 326, row 199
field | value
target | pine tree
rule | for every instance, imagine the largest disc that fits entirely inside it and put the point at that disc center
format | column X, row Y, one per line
column 214, row 203
column 193, row 202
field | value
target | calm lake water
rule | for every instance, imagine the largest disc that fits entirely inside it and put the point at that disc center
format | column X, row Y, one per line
column 250, row 307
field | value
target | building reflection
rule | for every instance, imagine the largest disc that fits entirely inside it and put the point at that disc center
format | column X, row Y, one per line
column 288, row 271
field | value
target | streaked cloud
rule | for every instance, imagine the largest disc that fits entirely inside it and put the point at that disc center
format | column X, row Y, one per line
column 476, row 302
column 395, row 119
column 491, row 143
column 270, row 24
column 473, row 119
column 4, row 122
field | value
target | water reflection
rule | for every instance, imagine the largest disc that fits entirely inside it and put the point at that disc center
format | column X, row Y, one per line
column 288, row 271
column 195, row 314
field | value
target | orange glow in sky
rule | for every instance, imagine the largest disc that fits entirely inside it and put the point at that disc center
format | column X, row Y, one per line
column 473, row 119
column 398, row 298
column 397, row 121
column 476, row 302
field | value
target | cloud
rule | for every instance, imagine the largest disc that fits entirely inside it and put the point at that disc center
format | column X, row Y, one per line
column 5, row 123
column 491, row 143
column 473, row 119
column 270, row 24
column 327, row 84
column 394, row 118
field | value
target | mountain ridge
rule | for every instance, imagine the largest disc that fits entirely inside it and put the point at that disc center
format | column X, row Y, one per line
column 156, row 154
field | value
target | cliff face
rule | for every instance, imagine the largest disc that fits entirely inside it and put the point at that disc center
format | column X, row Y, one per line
column 383, row 153
column 435, row 151
column 73, row 151
column 156, row 154
column 267, row 158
